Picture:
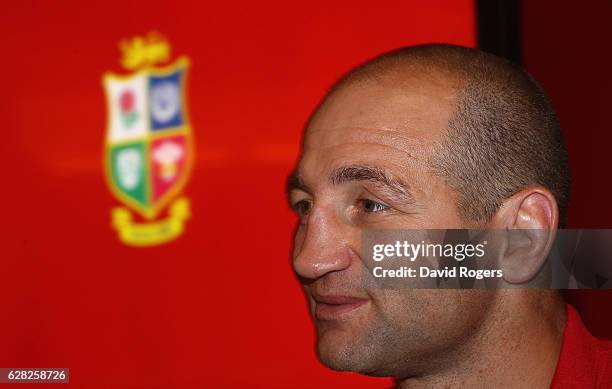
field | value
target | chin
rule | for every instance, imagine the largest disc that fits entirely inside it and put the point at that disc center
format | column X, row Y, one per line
column 342, row 351
column 359, row 359
column 338, row 360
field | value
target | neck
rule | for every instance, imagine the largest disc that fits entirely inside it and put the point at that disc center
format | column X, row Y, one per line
column 518, row 347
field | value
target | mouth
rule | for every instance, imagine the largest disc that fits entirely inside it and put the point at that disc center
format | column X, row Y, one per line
column 335, row 307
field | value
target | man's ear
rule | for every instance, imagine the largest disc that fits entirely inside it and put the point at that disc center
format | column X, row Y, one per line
column 530, row 217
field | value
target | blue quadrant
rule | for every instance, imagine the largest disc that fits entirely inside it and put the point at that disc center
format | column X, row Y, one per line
column 166, row 101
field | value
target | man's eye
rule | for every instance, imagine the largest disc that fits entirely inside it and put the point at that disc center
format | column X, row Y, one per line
column 373, row 206
column 301, row 207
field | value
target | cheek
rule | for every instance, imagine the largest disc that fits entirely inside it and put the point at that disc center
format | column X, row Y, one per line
column 432, row 318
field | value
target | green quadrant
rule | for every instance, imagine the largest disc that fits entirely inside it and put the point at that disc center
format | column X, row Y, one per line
column 129, row 171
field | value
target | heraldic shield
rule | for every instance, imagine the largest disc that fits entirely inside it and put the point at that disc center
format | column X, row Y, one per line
column 148, row 149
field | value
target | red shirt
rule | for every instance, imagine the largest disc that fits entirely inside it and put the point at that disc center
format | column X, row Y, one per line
column 585, row 361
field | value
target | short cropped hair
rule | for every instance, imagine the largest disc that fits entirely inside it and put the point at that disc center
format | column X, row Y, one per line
column 503, row 135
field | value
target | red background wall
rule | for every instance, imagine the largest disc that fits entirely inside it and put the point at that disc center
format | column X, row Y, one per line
column 566, row 47
column 219, row 307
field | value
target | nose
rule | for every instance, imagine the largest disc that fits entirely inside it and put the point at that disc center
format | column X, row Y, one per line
column 321, row 246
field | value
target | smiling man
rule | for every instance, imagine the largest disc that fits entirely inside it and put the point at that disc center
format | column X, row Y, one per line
column 435, row 137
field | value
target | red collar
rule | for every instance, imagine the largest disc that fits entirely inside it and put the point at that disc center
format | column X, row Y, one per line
column 584, row 361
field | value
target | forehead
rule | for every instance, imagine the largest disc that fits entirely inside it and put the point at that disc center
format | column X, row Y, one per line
column 390, row 122
column 423, row 100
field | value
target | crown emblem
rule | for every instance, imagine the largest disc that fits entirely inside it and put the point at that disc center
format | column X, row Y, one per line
column 140, row 52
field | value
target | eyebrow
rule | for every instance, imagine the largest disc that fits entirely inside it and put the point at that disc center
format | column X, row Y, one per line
column 372, row 174
column 295, row 181
column 354, row 173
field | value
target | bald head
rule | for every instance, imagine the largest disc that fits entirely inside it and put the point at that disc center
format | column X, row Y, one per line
column 426, row 137
column 502, row 134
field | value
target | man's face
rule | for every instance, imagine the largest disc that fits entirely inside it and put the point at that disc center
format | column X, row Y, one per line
column 365, row 165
